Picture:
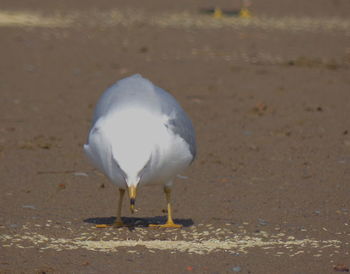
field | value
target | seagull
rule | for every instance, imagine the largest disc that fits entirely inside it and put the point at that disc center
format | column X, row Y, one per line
column 140, row 134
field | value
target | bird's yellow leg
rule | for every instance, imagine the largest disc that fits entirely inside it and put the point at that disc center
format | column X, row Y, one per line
column 118, row 222
column 170, row 223
column 217, row 13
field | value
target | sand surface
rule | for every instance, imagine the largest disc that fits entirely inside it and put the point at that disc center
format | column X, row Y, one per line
column 269, row 97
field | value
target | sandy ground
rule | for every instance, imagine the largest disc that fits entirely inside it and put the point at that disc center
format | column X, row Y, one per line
column 269, row 98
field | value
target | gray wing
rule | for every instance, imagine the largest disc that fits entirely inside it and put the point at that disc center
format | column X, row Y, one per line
column 180, row 123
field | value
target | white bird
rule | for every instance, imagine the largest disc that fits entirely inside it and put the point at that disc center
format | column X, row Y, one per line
column 140, row 134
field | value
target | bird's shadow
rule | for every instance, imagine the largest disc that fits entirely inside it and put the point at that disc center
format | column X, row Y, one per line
column 133, row 222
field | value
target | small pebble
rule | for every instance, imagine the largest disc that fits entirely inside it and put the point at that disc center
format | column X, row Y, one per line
column 81, row 174
column 236, row 269
column 29, row 206
column 262, row 222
